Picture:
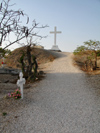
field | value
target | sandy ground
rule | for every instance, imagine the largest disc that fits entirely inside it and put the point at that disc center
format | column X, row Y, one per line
column 63, row 102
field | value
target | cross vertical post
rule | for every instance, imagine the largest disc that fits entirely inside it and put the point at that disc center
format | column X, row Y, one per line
column 55, row 33
column 20, row 83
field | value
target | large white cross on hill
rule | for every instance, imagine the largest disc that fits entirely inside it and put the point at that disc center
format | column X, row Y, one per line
column 55, row 33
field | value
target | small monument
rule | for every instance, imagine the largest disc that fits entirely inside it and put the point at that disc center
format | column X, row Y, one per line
column 55, row 47
column 20, row 83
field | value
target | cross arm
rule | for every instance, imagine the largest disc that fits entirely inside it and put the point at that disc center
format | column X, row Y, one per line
column 52, row 32
column 59, row 32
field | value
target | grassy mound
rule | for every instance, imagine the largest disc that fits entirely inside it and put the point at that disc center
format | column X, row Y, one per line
column 42, row 55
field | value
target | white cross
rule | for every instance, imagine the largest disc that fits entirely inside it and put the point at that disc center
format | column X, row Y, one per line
column 20, row 83
column 55, row 32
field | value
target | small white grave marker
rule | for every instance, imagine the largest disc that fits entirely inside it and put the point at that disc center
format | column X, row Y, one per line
column 20, row 83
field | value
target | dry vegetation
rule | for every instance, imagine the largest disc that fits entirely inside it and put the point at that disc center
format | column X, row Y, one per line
column 80, row 59
column 43, row 56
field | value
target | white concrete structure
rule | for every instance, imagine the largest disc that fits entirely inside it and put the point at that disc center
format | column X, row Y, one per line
column 20, row 83
column 55, row 47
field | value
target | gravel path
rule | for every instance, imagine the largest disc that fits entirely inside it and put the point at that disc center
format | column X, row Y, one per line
column 61, row 103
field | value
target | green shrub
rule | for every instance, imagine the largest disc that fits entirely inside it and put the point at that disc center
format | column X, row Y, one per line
column 98, row 53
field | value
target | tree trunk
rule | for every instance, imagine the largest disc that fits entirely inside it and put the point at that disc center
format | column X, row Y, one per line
column 95, row 60
column 35, row 65
column 22, row 62
column 29, row 61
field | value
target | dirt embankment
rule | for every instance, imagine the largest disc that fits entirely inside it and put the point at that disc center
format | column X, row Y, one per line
column 84, row 63
column 42, row 55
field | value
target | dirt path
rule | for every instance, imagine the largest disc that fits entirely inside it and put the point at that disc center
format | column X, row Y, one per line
column 62, row 103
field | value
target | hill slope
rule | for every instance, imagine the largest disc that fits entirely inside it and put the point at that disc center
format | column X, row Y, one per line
column 42, row 55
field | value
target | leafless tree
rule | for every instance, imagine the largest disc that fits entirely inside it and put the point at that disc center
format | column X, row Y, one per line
column 10, row 22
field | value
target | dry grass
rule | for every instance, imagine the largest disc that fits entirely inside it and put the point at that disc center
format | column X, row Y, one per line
column 42, row 55
column 79, row 60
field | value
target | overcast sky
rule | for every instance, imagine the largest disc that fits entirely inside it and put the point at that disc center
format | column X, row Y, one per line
column 78, row 20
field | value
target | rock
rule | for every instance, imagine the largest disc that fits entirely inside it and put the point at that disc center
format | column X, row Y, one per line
column 9, row 71
column 13, row 81
column 6, row 81
column 41, row 72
